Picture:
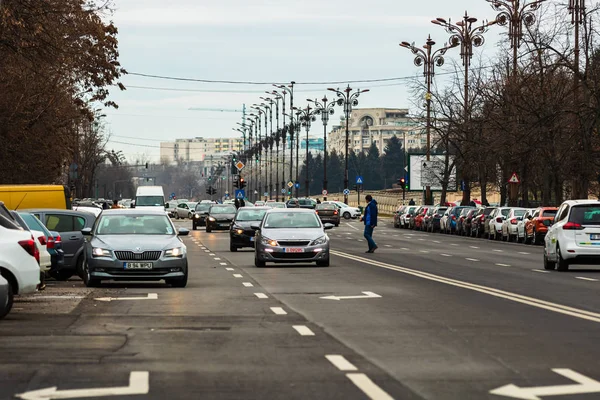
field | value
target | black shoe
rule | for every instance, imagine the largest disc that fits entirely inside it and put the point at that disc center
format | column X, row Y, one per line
column 369, row 251
column 373, row 249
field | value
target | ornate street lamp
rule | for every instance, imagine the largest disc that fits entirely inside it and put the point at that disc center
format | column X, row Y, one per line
column 289, row 90
column 428, row 59
column 307, row 117
column 324, row 109
column 349, row 100
column 468, row 36
column 278, row 135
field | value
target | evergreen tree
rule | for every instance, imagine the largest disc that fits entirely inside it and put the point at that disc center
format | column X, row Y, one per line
column 393, row 161
column 316, row 175
column 335, row 172
column 373, row 174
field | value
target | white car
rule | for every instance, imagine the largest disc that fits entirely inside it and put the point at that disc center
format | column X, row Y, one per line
column 18, row 258
column 444, row 220
column 345, row 210
column 497, row 218
column 510, row 224
column 521, row 235
column 184, row 210
column 42, row 237
column 405, row 216
column 574, row 237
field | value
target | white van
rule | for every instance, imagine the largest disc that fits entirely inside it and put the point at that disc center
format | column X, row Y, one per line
column 150, row 197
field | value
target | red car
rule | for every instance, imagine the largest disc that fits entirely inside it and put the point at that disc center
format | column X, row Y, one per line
column 419, row 218
column 537, row 226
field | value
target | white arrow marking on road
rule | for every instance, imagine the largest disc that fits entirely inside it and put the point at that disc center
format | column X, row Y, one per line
column 584, row 385
column 138, row 384
column 367, row 295
column 151, row 296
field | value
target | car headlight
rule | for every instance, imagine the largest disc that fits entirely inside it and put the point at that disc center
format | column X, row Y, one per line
column 268, row 242
column 211, row 219
column 98, row 252
column 176, row 252
column 321, row 240
column 238, row 230
column 196, row 215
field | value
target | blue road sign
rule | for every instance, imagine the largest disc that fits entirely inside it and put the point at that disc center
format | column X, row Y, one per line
column 297, row 185
column 283, row 191
column 173, row 195
column 346, row 192
column 462, row 186
column 359, row 180
column 240, row 193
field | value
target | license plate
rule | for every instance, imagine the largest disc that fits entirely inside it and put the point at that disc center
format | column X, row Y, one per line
column 252, row 238
column 294, row 250
column 595, row 237
column 141, row 265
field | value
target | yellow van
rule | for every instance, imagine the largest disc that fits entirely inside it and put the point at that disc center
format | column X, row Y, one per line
column 18, row 197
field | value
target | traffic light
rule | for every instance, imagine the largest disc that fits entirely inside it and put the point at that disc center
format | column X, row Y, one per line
column 146, row 165
column 242, row 183
column 402, row 182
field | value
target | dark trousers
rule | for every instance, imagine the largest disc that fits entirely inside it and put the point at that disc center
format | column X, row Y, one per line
column 369, row 236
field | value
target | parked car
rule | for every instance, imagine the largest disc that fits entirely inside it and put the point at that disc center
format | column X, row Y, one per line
column 433, row 223
column 445, row 220
column 521, row 224
column 18, row 258
column 574, row 237
column 43, row 238
column 69, row 224
column 496, row 218
column 291, row 236
column 397, row 215
column 417, row 220
column 509, row 224
column 6, row 297
column 453, row 216
column 135, row 245
column 241, row 233
column 328, row 213
column 276, row 204
column 260, row 203
column 480, row 222
column 460, row 220
column 466, row 224
column 345, row 210
column 307, row 203
column 537, row 226
column 220, row 217
column 200, row 214
column 407, row 213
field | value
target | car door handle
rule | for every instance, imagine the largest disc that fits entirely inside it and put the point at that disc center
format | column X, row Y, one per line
column 74, row 238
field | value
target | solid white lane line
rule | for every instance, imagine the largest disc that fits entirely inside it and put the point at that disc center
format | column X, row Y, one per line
column 583, row 278
column 445, row 255
column 388, row 245
column 237, row 276
column 499, row 251
column 248, row 284
column 474, row 247
column 541, row 271
column 303, row 330
column 278, row 310
column 261, row 295
column 217, row 259
column 368, row 387
column 472, row 259
column 340, row 362
column 518, row 298
column 503, row 265
column 524, row 253
column 437, row 241
column 223, row 263
column 230, row 269
column 353, row 227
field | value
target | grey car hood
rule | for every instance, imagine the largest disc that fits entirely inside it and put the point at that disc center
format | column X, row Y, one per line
column 133, row 242
column 221, row 217
column 293, row 234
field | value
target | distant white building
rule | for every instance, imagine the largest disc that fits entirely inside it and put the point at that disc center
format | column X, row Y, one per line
column 199, row 149
column 378, row 125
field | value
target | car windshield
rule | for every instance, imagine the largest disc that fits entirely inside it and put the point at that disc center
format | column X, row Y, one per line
column 292, row 220
column 326, row 207
column 549, row 213
column 520, row 213
column 146, row 201
column 585, row 214
column 505, row 211
column 224, row 209
column 203, row 207
column 134, row 225
column 250, row 215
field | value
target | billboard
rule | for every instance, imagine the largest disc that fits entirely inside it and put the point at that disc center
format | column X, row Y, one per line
column 423, row 173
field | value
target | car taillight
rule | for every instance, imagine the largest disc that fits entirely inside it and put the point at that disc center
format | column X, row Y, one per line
column 57, row 240
column 482, row 218
column 513, row 221
column 572, row 226
column 335, row 212
column 50, row 243
column 31, row 249
column 42, row 240
column 454, row 217
column 499, row 220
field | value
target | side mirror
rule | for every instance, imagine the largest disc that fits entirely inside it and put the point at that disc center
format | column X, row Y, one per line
column 132, row 205
column 328, row 226
column 255, row 227
column 86, row 231
column 183, row 232
column 166, row 205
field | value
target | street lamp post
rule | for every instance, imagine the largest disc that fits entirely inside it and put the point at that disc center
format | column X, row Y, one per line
column 324, row 109
column 307, row 116
column 347, row 99
column 429, row 60
column 260, row 144
column 277, row 140
column 281, row 137
column 290, row 90
column 269, row 144
column 466, row 35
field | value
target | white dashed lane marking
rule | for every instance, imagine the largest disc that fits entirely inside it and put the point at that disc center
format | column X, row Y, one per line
column 217, row 259
column 541, row 271
column 474, row 247
column 445, row 255
column 261, row 295
column 472, row 259
column 212, row 254
column 303, row 330
column 368, row 387
column 340, row 362
column 503, row 265
column 248, row 284
column 223, row 263
column 237, row 276
column 524, row 253
column 583, row 278
column 230, row 269
column 388, row 245
column 499, row 251
column 437, row 241
column 278, row 310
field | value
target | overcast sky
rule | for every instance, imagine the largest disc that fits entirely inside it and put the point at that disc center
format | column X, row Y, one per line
column 263, row 41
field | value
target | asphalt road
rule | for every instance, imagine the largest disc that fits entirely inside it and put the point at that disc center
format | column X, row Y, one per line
column 429, row 316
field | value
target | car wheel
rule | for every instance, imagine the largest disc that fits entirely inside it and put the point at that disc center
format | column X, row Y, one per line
column 512, row 238
column 87, row 276
column 561, row 263
column 6, row 307
column 62, row 275
column 232, row 248
column 324, row 263
column 337, row 224
column 346, row 215
column 179, row 282
column 549, row 265
column 258, row 263
column 79, row 266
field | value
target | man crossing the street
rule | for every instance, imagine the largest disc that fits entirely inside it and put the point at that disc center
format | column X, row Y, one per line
column 370, row 220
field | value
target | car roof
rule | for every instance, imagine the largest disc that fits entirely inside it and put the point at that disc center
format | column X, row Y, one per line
column 582, row 201
column 288, row 210
column 59, row 211
column 133, row 211
column 255, row 208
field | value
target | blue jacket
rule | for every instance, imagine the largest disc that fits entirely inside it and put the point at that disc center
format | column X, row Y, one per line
column 371, row 213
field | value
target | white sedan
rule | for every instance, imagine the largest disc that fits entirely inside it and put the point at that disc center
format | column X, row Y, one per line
column 574, row 238
column 345, row 210
column 511, row 223
column 497, row 218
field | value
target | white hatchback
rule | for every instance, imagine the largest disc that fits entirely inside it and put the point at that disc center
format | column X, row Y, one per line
column 574, row 237
column 18, row 258
column 511, row 223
